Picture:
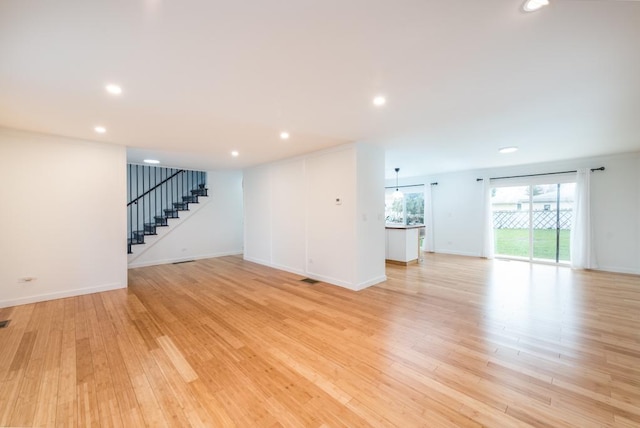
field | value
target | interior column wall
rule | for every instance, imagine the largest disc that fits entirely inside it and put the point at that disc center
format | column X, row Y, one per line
column 303, row 215
column 63, row 217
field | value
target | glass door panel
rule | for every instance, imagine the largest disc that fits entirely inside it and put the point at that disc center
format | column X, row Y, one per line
column 544, row 213
column 552, row 206
column 567, row 195
column 511, row 221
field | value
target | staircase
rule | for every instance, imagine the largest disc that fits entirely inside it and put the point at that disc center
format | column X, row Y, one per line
column 156, row 195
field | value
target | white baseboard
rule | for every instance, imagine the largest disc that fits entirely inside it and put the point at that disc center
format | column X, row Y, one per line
column 183, row 259
column 332, row 281
column 317, row 277
column 256, row 260
column 457, row 253
column 612, row 269
column 60, row 295
column 288, row 269
column 276, row 266
column 615, row 269
column 371, row 282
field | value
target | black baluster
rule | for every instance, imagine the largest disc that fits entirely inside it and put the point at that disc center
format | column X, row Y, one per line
column 137, row 204
column 129, row 208
column 155, row 195
column 149, row 201
column 161, row 198
column 143, row 190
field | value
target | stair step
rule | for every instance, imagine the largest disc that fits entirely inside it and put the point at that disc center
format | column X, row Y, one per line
column 199, row 192
column 150, row 229
column 137, row 237
column 193, row 199
column 169, row 213
column 161, row 221
column 181, row 206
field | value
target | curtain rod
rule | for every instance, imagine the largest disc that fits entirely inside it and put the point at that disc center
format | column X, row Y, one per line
column 408, row 185
column 537, row 175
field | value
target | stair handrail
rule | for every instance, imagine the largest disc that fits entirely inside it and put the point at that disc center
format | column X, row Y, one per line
column 155, row 187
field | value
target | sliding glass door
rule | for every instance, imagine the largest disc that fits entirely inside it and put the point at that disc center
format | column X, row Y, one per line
column 533, row 222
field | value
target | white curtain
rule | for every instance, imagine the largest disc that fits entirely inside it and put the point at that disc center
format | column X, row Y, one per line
column 428, row 244
column 487, row 229
column 582, row 245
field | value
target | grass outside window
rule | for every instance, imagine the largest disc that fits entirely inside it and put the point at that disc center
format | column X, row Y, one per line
column 515, row 243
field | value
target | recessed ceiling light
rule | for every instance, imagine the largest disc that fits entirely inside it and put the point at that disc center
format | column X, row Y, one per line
column 151, row 161
column 113, row 89
column 379, row 101
column 284, row 135
column 533, row 5
column 100, row 129
column 235, row 153
column 508, row 149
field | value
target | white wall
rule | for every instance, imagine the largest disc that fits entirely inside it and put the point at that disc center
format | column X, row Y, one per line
column 331, row 235
column 258, row 216
column 293, row 222
column 370, row 213
column 288, row 226
column 63, row 217
column 457, row 208
column 214, row 230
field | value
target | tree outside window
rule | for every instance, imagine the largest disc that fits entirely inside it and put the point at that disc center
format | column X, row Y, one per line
column 408, row 210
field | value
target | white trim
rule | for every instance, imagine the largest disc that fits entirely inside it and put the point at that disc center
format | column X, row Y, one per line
column 258, row 261
column 370, row 282
column 332, row 281
column 326, row 279
column 457, row 253
column 185, row 259
column 287, row 269
column 614, row 269
column 60, row 295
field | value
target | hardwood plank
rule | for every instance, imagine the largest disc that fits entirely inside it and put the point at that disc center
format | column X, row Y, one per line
column 175, row 356
column 452, row 341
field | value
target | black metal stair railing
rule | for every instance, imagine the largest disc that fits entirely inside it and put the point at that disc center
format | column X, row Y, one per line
column 156, row 194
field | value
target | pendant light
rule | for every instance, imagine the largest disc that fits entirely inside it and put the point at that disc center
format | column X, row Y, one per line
column 397, row 194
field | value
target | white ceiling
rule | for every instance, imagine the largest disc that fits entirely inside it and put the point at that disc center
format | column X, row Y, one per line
column 201, row 78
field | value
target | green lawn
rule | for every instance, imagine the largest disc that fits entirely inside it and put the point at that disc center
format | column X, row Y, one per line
column 515, row 242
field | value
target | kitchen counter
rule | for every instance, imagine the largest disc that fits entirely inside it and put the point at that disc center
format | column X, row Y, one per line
column 402, row 243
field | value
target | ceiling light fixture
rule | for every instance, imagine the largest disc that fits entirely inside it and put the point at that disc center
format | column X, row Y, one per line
column 235, row 153
column 379, row 101
column 397, row 194
column 284, row 135
column 533, row 5
column 113, row 89
column 508, row 150
column 151, row 161
column 100, row 129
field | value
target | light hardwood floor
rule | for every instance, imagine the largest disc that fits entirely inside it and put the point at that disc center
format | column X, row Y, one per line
column 453, row 341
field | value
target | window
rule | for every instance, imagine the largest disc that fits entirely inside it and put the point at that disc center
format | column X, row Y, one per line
column 407, row 210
